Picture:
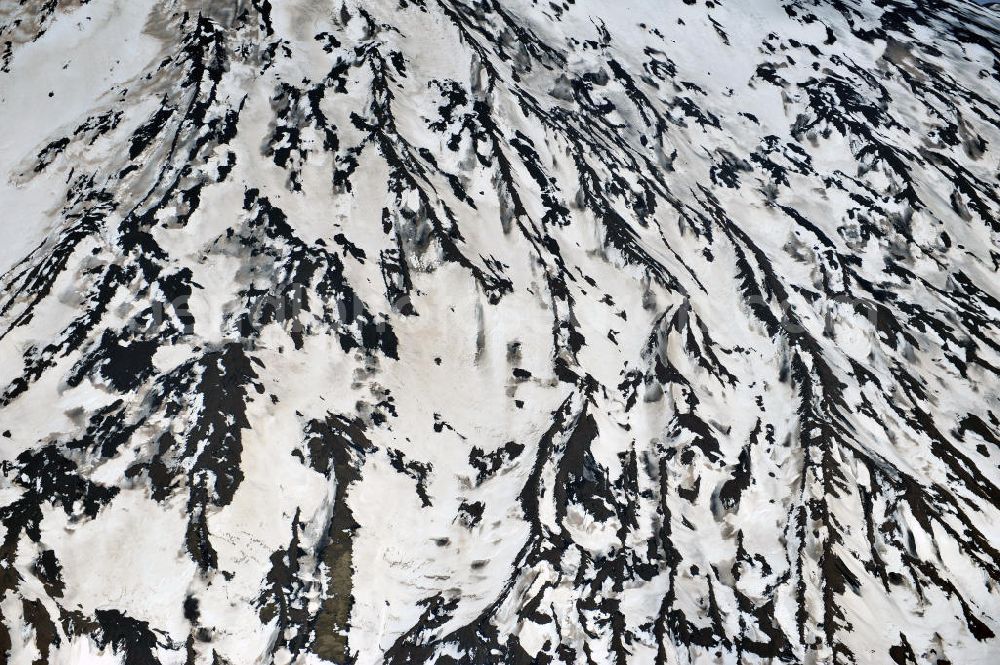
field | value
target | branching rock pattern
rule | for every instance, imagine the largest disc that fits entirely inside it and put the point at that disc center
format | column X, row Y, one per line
column 468, row 331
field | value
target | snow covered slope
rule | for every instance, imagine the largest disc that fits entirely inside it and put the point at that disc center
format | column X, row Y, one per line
column 413, row 331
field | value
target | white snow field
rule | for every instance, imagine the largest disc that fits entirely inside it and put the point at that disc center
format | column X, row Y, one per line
column 481, row 331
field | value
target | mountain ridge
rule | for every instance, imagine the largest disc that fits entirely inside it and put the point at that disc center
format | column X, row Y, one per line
column 501, row 332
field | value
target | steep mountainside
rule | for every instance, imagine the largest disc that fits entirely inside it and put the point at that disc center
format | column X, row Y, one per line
column 456, row 331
